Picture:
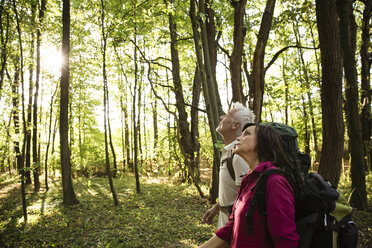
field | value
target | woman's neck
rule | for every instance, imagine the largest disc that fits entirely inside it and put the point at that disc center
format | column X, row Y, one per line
column 252, row 161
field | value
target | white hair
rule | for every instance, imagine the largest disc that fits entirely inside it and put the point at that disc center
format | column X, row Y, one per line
column 242, row 115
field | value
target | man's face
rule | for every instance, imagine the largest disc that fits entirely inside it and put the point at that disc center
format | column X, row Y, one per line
column 226, row 123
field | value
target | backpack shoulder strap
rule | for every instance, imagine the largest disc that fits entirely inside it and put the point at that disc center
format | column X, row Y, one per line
column 259, row 197
column 229, row 164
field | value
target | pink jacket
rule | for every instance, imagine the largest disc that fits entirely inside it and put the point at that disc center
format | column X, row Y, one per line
column 279, row 228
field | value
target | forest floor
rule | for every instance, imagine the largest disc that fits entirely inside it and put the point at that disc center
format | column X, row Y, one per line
column 165, row 214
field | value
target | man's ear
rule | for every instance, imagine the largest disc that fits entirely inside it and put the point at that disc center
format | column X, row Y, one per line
column 235, row 125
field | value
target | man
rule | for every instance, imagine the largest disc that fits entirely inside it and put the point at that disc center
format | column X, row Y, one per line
column 230, row 128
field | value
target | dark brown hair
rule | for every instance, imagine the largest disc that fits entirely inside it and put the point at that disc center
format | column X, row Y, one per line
column 269, row 145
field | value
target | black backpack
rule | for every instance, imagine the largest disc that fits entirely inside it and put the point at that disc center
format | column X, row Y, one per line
column 323, row 216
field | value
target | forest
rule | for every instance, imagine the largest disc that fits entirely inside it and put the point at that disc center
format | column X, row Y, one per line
column 109, row 109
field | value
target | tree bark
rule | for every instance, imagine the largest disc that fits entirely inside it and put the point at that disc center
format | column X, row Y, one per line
column 366, row 60
column 331, row 91
column 258, row 75
column 237, row 52
column 348, row 42
column 69, row 197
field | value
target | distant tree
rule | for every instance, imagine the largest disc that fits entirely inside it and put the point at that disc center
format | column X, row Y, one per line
column 19, row 157
column 27, row 146
column 106, row 105
column 35, row 157
column 331, row 91
column 4, row 38
column 69, row 197
column 48, row 140
column 134, row 121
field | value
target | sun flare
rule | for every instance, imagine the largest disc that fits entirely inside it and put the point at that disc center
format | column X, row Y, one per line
column 51, row 60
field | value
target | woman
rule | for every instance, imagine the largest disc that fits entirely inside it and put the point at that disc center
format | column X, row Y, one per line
column 260, row 146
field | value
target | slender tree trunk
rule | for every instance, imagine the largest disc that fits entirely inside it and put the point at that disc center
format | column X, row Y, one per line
column 29, row 105
column 212, row 46
column 122, row 130
column 19, row 157
column 331, row 91
column 48, row 142
column 110, row 135
column 4, row 43
column 22, row 152
column 286, row 85
column 237, row 53
column 69, row 197
column 348, row 40
column 35, row 157
column 258, row 75
column 156, row 131
column 196, row 90
column 366, row 60
column 135, row 124
column 212, row 112
column 318, row 79
column 106, row 105
column 310, row 116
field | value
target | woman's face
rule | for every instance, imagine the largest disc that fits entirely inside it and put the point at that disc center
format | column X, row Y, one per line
column 247, row 142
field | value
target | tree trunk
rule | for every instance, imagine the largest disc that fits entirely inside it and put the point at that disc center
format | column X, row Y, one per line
column 69, row 197
column 310, row 116
column 237, row 53
column 135, row 124
column 106, row 106
column 348, row 41
column 258, row 75
column 365, row 58
column 19, row 157
column 156, row 132
column 196, row 90
column 48, row 141
column 4, row 43
column 286, row 85
column 185, row 140
column 29, row 105
column 318, row 79
column 122, row 120
column 331, row 91
column 212, row 46
column 35, row 160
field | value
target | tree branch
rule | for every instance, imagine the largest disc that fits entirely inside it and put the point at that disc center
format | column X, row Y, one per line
column 283, row 50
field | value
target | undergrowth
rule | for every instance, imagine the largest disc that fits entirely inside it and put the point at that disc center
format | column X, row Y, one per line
column 165, row 214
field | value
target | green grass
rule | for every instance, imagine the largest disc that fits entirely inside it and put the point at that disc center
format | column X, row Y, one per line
column 163, row 215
